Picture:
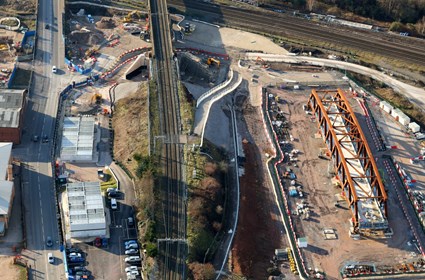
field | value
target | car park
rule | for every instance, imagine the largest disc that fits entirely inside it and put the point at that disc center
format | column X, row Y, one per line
column 131, row 251
column 131, row 268
column 49, row 242
column 50, row 258
column 132, row 259
column 132, row 246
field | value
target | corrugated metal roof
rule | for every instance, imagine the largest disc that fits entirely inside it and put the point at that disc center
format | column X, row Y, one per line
column 77, row 137
column 85, row 203
column 11, row 102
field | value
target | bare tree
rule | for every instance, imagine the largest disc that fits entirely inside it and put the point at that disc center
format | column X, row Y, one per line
column 420, row 26
column 310, row 4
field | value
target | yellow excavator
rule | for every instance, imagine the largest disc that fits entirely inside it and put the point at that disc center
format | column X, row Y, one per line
column 213, row 61
column 132, row 15
column 97, row 98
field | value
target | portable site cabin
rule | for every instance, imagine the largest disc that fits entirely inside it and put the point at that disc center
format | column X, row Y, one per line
column 414, row 127
column 403, row 119
column 395, row 113
column 385, row 106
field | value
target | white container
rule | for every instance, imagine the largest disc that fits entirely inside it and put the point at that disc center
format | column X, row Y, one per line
column 386, row 107
column 414, row 127
column 396, row 113
column 403, row 119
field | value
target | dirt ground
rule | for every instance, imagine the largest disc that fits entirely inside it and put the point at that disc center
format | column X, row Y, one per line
column 8, row 270
column 259, row 231
column 130, row 124
column 330, row 255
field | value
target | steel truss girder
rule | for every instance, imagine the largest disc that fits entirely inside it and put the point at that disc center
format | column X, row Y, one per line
column 320, row 103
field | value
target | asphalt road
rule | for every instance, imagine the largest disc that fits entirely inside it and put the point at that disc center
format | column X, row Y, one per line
column 39, row 119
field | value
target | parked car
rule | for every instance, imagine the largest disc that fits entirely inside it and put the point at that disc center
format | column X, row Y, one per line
column 132, row 246
column 130, row 221
column 54, row 69
column 74, row 255
column 131, row 268
column 49, row 242
column 98, row 242
column 104, row 242
column 130, row 242
column 113, row 193
column 50, row 258
column 79, row 268
column 76, row 260
column 133, row 272
column 35, row 138
column 74, row 250
column 114, row 204
column 83, row 273
column 47, row 26
column 131, row 251
column 132, row 259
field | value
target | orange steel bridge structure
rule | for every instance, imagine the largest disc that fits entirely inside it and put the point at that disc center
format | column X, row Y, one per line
column 355, row 167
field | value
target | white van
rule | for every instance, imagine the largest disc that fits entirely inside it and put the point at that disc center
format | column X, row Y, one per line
column 114, row 204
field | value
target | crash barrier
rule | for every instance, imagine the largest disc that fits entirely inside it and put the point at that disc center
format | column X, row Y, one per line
column 216, row 98
column 282, row 198
column 210, row 92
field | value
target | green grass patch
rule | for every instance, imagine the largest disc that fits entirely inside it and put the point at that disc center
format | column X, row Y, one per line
column 110, row 183
column 187, row 108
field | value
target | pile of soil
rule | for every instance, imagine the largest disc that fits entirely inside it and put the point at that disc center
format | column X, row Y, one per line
column 86, row 38
column 25, row 6
column 105, row 23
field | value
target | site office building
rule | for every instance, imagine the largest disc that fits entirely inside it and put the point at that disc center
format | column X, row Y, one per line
column 12, row 107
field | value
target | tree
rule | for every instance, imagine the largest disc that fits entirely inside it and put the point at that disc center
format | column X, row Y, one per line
column 420, row 26
column 202, row 271
column 310, row 4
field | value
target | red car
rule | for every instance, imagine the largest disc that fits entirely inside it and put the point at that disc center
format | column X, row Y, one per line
column 98, row 242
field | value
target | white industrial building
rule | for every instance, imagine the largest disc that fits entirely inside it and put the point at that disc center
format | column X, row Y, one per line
column 77, row 139
column 86, row 211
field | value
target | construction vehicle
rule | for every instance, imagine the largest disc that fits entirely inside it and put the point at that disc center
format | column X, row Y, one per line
column 213, row 61
column 132, row 15
column 261, row 61
column 97, row 98
column 91, row 52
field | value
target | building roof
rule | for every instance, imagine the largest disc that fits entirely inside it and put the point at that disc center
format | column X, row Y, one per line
column 85, row 203
column 6, row 188
column 5, row 151
column 11, row 103
column 77, row 137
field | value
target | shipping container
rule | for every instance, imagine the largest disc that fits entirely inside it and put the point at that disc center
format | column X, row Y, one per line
column 403, row 119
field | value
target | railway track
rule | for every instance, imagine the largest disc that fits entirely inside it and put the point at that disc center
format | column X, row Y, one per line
column 289, row 26
column 172, row 248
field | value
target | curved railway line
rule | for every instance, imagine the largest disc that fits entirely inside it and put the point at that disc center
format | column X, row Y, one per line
column 171, row 245
column 284, row 25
